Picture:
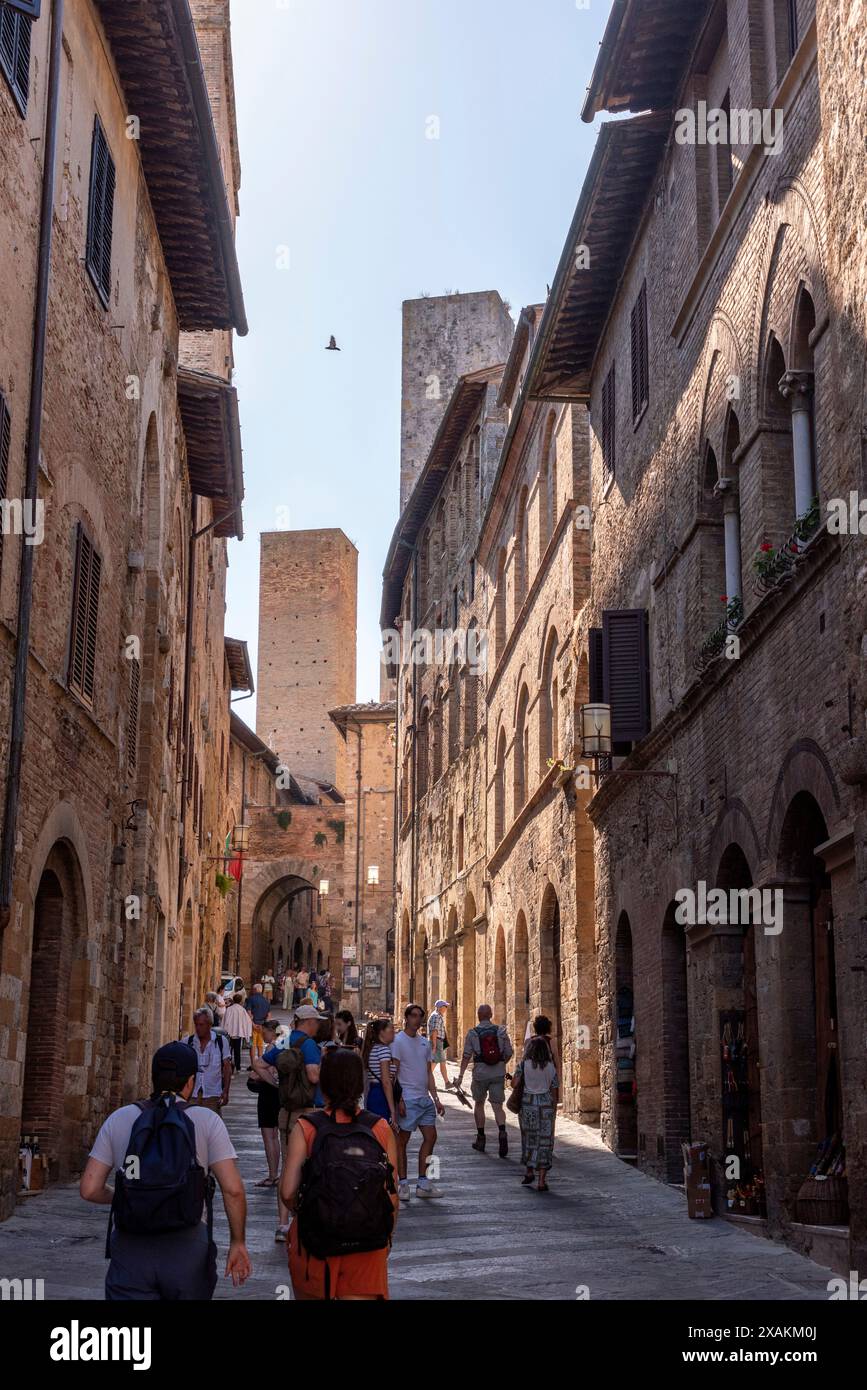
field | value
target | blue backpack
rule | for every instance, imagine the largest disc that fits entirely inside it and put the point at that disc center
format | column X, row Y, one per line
column 167, row 1188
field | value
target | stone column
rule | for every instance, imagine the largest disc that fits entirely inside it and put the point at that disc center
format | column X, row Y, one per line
column 727, row 489
column 797, row 389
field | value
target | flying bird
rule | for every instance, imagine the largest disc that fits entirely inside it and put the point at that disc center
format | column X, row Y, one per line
column 332, row 346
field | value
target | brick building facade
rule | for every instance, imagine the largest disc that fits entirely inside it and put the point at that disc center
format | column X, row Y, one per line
column 718, row 339
column 110, row 925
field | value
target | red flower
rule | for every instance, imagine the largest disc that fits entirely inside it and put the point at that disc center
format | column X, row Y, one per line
column 723, row 598
column 766, row 546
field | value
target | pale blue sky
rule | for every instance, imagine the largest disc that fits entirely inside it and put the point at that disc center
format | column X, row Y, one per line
column 333, row 99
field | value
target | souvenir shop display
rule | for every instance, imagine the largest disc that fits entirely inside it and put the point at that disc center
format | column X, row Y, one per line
column 744, row 1186
column 823, row 1198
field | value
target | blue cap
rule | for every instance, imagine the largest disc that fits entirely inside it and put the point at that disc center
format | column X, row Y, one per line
column 176, row 1057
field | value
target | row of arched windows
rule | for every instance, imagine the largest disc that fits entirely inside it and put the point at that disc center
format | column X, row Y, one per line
column 527, row 557
column 454, row 518
column 514, row 765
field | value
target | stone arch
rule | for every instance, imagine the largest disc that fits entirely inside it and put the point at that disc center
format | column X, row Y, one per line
column 550, row 961
column 675, row 1043
column 804, row 768
column 722, row 351
column 734, row 824
column 520, row 981
column 498, row 981
column 625, row 1102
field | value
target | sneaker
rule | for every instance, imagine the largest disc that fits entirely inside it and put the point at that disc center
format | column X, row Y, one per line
column 504, row 1146
column 403, row 1191
column 427, row 1189
column 479, row 1144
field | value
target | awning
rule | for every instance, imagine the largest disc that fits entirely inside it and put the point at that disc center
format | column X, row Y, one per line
column 209, row 411
column 238, row 661
column 644, row 50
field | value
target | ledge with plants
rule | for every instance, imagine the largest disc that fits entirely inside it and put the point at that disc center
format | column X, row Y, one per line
column 714, row 644
column 775, row 565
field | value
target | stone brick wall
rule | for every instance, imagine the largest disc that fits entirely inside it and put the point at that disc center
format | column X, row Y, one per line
column 307, row 621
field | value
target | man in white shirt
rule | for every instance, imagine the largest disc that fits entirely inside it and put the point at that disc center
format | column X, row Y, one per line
column 214, row 1076
column 419, row 1103
column 177, row 1264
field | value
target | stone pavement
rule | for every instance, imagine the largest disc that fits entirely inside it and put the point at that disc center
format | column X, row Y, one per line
column 603, row 1226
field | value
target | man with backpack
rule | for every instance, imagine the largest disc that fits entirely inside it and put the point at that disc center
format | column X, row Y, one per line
column 214, row 1076
column 488, row 1047
column 297, row 1068
column 160, row 1240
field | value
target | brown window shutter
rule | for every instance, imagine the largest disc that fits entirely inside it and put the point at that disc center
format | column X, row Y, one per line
column 597, row 676
column 15, row 50
column 609, row 398
column 5, row 435
column 100, row 213
column 626, row 673
column 85, row 618
column 132, row 715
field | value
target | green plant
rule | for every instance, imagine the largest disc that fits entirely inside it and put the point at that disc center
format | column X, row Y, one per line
column 320, row 839
column 809, row 522
column 339, row 828
column 284, row 819
column 224, row 883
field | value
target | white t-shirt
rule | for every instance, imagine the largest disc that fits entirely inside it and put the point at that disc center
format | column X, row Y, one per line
column 414, row 1056
column 538, row 1080
column 212, row 1138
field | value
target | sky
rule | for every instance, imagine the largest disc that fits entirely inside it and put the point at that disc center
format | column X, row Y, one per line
column 348, row 208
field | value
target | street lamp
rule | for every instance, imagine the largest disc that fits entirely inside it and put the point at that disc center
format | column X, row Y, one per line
column 373, row 875
column 596, row 731
column 241, row 839
column 323, row 887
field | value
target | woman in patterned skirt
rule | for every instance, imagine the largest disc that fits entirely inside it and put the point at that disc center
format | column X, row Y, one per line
column 538, row 1111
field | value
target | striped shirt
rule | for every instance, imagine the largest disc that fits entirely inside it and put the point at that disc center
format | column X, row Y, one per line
column 379, row 1053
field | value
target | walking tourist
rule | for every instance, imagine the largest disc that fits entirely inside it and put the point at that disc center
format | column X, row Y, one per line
column 297, row 1063
column 537, row 1076
column 419, row 1102
column 383, row 1090
column 339, row 1179
column 217, row 1006
column 488, row 1048
column 160, row 1239
column 347, row 1033
column 302, row 980
column 267, row 1092
column 436, row 1032
column 541, row 1027
column 238, row 1027
column 214, row 1075
column 268, row 986
column 258, row 1008
column 326, row 992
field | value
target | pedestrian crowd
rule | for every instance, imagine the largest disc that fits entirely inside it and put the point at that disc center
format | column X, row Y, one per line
column 336, row 1111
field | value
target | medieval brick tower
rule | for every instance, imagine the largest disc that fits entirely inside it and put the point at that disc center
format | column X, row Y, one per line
column 307, row 620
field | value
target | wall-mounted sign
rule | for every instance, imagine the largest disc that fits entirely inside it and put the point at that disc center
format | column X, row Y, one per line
column 351, row 978
column 349, row 950
column 373, row 977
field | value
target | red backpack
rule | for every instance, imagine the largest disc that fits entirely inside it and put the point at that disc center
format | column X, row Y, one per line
column 489, row 1045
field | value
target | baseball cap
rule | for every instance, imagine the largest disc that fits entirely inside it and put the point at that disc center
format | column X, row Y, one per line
column 440, row 1003
column 176, row 1057
column 307, row 1011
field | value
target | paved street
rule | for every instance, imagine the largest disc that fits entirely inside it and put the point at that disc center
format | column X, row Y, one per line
column 603, row 1225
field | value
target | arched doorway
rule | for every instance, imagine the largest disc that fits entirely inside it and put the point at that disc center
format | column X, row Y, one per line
column 810, row 1032
column 466, row 1003
column 675, row 1044
column 549, row 956
column 226, row 958
column 498, row 1000
column 298, row 953
column 53, row 1090
column 521, row 999
column 626, row 1110
column 738, row 1029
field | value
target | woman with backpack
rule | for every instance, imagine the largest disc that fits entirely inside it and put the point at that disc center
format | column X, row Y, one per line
column 537, row 1079
column 339, row 1180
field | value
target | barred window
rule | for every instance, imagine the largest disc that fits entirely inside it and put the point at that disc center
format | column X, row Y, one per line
column 101, row 213
column 608, row 430
column 85, row 617
column 640, row 362
column 15, row 54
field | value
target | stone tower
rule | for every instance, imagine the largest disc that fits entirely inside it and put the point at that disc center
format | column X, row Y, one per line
column 443, row 339
column 307, row 618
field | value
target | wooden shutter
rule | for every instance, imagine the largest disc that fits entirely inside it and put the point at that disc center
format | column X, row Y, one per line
column 5, row 435
column 26, row 7
column 132, row 715
column 794, row 37
column 640, row 363
column 85, row 618
column 597, row 675
column 101, row 213
column 626, row 673
column 609, row 390
column 15, row 53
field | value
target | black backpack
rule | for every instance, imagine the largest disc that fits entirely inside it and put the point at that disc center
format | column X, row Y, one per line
column 167, row 1188
column 344, row 1202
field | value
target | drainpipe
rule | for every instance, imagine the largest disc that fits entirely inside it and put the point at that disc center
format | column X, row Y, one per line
column 390, row 1000
column 241, row 879
column 359, row 926
column 185, row 707
column 413, row 892
column 34, row 439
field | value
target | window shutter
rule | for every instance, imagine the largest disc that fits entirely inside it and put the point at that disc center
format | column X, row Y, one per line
column 101, row 213
column 794, row 37
column 5, row 435
column 85, row 618
column 626, row 673
column 608, row 422
column 15, row 53
column 132, row 715
column 640, row 363
column 597, row 677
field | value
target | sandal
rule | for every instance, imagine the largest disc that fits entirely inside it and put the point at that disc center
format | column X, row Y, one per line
column 267, row 1182
column 528, row 1179
column 542, row 1186
column 280, row 1235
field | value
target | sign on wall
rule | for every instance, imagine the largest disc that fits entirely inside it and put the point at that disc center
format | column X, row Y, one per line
column 373, row 977
column 351, row 978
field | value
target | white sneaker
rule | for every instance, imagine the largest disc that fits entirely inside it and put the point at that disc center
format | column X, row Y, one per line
column 403, row 1191
column 428, row 1190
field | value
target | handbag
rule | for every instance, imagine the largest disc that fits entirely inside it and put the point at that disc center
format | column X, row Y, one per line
column 516, row 1095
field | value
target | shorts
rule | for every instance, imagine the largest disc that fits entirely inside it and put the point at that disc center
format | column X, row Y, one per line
column 420, row 1110
column 493, row 1090
column 438, row 1054
column 170, row 1268
column 267, row 1106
